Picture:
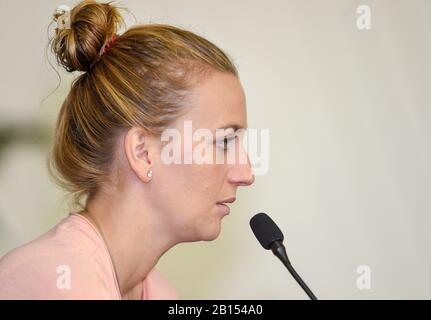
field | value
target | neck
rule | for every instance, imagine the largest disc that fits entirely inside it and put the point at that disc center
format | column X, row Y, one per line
column 134, row 236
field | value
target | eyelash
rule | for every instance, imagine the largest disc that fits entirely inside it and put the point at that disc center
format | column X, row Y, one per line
column 225, row 141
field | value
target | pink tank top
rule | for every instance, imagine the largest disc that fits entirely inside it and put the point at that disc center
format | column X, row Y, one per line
column 70, row 261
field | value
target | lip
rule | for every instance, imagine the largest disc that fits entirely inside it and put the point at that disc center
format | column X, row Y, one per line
column 228, row 200
column 223, row 204
column 224, row 208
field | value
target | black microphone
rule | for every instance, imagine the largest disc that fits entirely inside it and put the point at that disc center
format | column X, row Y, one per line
column 271, row 237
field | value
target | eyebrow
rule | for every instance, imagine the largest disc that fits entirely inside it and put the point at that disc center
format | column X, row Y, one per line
column 233, row 126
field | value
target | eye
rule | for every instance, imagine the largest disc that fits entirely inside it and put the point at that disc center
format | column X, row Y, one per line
column 226, row 141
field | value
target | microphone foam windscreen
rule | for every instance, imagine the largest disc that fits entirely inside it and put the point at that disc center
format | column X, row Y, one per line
column 265, row 230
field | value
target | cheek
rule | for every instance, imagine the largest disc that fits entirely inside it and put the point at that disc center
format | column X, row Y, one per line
column 188, row 195
column 191, row 189
column 199, row 185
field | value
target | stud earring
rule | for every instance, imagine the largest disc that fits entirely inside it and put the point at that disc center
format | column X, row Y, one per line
column 150, row 173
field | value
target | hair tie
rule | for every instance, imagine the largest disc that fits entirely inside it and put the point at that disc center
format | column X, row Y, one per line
column 104, row 50
column 62, row 17
column 109, row 44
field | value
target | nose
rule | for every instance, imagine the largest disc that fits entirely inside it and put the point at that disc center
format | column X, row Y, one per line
column 242, row 174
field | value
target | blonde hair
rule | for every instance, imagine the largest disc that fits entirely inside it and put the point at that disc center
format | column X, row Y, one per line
column 143, row 80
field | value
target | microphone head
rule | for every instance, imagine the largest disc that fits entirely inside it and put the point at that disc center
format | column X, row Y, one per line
column 265, row 230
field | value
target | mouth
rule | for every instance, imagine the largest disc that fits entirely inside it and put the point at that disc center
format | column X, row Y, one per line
column 223, row 204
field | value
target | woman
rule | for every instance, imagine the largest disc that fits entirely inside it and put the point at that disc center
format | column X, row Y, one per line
column 108, row 152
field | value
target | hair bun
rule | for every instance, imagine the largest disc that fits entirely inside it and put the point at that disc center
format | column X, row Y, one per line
column 92, row 25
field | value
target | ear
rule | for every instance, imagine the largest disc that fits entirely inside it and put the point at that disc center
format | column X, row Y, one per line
column 136, row 147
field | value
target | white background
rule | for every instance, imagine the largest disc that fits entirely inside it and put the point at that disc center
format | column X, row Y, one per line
column 349, row 115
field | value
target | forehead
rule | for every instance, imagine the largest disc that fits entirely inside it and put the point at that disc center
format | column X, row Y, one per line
column 217, row 101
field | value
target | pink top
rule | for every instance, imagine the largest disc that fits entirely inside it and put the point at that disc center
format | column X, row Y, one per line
column 70, row 261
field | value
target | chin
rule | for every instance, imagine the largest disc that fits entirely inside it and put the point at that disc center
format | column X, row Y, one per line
column 205, row 230
column 211, row 232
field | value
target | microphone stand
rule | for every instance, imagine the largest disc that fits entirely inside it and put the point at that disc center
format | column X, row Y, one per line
column 279, row 250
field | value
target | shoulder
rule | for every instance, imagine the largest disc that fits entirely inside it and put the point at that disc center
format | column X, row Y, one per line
column 158, row 287
column 60, row 264
column 56, row 276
